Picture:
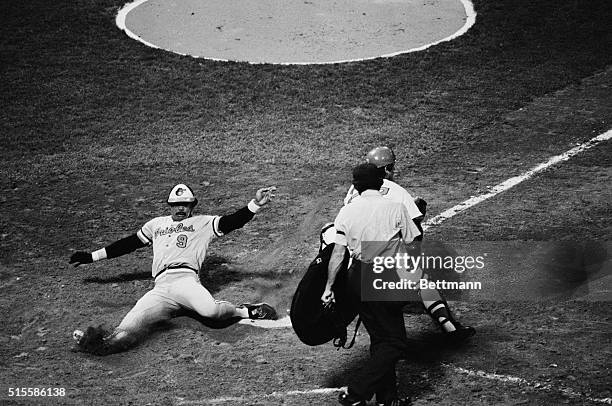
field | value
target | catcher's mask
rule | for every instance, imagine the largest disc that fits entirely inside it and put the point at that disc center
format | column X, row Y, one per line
column 182, row 193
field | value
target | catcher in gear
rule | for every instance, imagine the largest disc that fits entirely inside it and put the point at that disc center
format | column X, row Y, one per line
column 180, row 242
column 433, row 301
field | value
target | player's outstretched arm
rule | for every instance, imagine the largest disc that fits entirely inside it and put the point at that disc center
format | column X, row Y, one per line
column 116, row 249
column 242, row 216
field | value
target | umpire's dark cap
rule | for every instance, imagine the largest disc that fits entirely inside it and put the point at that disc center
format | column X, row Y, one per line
column 367, row 176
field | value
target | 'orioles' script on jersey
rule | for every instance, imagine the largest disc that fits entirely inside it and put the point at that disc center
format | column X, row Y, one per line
column 179, row 245
column 173, row 229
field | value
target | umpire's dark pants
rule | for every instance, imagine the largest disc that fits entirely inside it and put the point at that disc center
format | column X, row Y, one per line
column 384, row 322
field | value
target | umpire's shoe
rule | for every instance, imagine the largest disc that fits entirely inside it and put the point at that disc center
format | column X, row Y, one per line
column 259, row 311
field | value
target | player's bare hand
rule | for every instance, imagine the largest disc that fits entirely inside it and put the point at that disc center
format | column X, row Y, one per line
column 80, row 258
column 328, row 296
column 264, row 195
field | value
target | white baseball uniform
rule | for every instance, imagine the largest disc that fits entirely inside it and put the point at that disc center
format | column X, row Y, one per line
column 179, row 250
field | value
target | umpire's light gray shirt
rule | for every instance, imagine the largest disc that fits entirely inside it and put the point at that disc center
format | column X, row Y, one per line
column 372, row 218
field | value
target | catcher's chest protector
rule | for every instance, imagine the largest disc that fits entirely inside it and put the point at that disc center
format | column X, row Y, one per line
column 313, row 323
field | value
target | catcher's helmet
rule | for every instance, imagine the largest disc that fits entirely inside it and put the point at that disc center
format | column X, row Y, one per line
column 182, row 193
column 381, row 156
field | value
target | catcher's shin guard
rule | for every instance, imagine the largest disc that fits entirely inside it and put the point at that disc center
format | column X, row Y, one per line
column 440, row 313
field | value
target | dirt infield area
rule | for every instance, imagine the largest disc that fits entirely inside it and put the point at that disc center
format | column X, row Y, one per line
column 293, row 31
column 97, row 128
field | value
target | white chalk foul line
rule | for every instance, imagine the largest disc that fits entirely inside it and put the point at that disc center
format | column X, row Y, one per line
column 506, row 379
column 497, row 189
column 273, row 395
column 521, row 381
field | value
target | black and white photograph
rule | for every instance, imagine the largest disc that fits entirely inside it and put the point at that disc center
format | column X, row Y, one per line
column 306, row 202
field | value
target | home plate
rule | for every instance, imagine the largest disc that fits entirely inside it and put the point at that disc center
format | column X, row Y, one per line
column 280, row 323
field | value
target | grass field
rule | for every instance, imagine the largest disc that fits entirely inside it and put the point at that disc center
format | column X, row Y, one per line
column 96, row 128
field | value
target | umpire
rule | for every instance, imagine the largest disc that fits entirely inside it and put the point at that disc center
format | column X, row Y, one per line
column 371, row 217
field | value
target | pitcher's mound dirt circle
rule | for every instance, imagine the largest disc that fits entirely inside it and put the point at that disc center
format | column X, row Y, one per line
column 294, row 31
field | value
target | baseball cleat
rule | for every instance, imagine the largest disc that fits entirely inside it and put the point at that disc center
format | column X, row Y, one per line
column 260, row 311
column 91, row 341
column 461, row 334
